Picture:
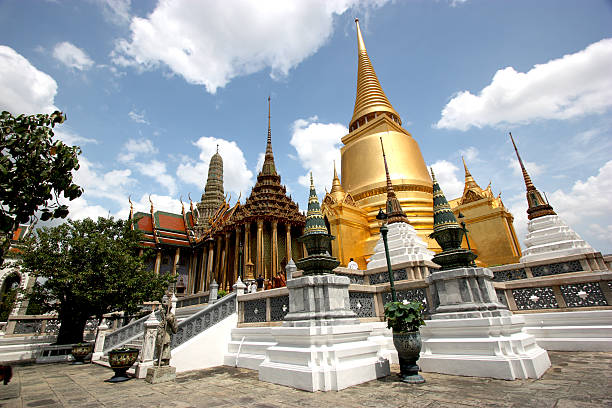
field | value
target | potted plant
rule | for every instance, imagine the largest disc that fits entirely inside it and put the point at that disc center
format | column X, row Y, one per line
column 405, row 318
column 121, row 360
column 80, row 351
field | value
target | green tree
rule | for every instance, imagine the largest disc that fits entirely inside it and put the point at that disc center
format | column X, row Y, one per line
column 34, row 171
column 90, row 268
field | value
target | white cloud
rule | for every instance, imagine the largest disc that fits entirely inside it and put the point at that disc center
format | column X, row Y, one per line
column 317, row 146
column 572, row 86
column 138, row 117
column 136, row 147
column 157, row 170
column 209, row 43
column 70, row 138
column 25, row 89
column 99, row 184
column 533, row 169
column 237, row 178
column 261, row 157
column 446, row 174
column 470, row 154
column 116, row 11
column 72, row 56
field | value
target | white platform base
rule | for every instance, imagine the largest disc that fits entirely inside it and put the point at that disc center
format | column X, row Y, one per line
column 548, row 237
column 247, row 348
column 404, row 246
column 589, row 330
column 322, row 358
column 492, row 347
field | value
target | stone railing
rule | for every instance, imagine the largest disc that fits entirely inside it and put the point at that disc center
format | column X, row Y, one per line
column 563, row 292
column 412, row 271
column 42, row 325
column 204, row 319
column 367, row 301
column 125, row 334
column 192, row 300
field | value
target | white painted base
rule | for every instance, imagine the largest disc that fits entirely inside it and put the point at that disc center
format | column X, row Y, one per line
column 404, row 246
column 206, row 349
column 247, row 348
column 589, row 330
column 322, row 358
column 492, row 347
column 549, row 237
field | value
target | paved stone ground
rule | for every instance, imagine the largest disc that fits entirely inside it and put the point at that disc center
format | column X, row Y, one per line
column 574, row 380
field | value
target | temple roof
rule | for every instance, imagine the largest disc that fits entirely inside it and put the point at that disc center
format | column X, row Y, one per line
column 471, row 190
column 370, row 97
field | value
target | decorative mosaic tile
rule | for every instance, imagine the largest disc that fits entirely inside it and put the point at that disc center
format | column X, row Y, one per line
column 556, row 268
column 383, row 277
column 510, row 274
column 279, row 307
column 362, row 304
column 255, row 311
column 356, row 279
column 583, row 294
column 410, row 295
column 535, row 298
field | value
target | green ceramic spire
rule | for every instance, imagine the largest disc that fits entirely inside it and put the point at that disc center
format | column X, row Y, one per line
column 315, row 224
column 443, row 215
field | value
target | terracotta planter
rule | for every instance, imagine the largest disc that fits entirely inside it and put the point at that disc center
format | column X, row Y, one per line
column 408, row 346
column 80, row 351
column 120, row 361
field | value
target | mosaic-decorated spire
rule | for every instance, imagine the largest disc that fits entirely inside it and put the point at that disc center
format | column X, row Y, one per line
column 394, row 208
column 268, row 167
column 370, row 97
column 443, row 215
column 315, row 224
column 213, row 196
column 538, row 206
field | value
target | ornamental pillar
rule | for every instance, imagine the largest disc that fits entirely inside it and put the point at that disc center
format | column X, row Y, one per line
column 247, row 243
column 226, row 275
column 274, row 249
column 203, row 283
column 236, row 255
column 217, row 267
column 211, row 255
column 288, row 240
column 177, row 254
column 259, row 255
column 157, row 261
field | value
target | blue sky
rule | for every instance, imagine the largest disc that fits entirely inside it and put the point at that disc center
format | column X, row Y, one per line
column 150, row 89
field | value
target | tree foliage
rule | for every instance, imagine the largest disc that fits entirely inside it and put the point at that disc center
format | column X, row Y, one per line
column 34, row 171
column 90, row 268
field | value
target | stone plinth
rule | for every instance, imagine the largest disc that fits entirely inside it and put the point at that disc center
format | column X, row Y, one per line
column 321, row 345
column 472, row 334
column 319, row 300
column 161, row 374
column 548, row 237
column 465, row 293
column 493, row 347
column 404, row 246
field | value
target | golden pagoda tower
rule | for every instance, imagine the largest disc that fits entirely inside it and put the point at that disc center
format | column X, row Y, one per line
column 363, row 179
column 489, row 223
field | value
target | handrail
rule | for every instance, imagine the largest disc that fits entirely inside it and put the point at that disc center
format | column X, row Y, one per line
column 205, row 318
column 125, row 334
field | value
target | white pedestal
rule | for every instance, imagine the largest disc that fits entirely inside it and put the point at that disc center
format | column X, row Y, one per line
column 492, row 347
column 549, row 237
column 404, row 246
column 322, row 358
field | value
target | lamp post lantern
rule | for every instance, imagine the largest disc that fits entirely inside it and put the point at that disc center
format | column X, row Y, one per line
column 382, row 218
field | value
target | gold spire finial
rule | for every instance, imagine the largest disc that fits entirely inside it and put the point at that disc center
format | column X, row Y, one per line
column 528, row 182
column 151, row 203
column 370, row 96
column 470, row 183
column 190, row 203
column 269, row 167
column 337, row 191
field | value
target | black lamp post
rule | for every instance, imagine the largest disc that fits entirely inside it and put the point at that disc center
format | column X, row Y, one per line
column 382, row 218
column 465, row 231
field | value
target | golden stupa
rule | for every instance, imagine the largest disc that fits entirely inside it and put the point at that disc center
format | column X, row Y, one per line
column 353, row 203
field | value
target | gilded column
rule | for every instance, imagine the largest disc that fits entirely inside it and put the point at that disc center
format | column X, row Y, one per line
column 157, row 261
column 288, row 245
column 259, row 255
column 190, row 276
column 211, row 256
column 247, row 243
column 226, row 265
column 202, row 282
column 219, row 259
column 236, row 255
column 177, row 254
column 274, row 249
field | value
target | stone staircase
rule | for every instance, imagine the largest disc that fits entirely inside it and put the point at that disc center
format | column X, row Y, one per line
column 23, row 349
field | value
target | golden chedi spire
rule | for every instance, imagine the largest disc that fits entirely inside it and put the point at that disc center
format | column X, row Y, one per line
column 394, row 208
column 469, row 180
column 337, row 192
column 538, row 207
column 370, row 96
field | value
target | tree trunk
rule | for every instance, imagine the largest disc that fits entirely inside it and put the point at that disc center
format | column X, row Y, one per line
column 71, row 329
